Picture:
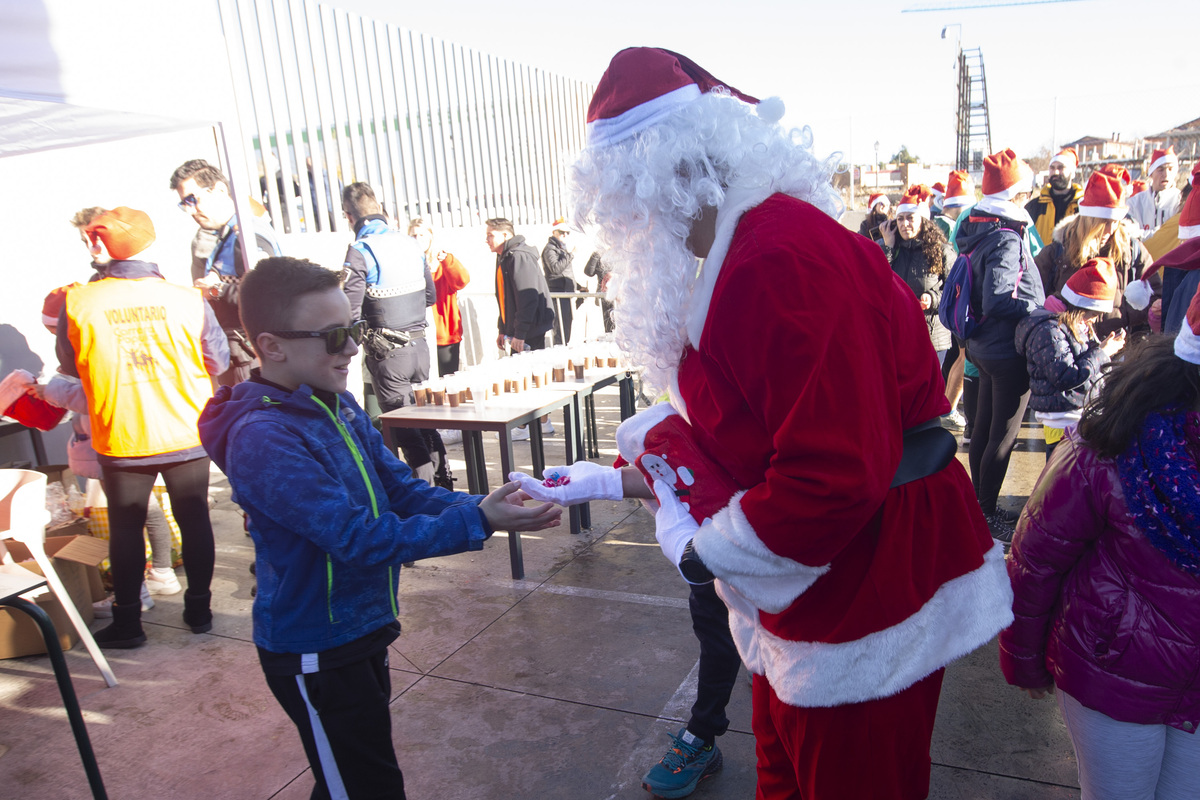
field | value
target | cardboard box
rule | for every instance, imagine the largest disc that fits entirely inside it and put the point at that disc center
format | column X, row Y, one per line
column 76, row 559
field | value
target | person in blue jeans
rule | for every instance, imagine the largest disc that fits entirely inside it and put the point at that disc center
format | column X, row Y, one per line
column 333, row 514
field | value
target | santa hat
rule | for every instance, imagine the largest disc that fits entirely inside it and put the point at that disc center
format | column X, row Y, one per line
column 960, row 190
column 1104, row 197
column 561, row 224
column 53, row 305
column 915, row 201
column 124, row 231
column 938, row 190
column 1160, row 157
column 874, row 199
column 1118, row 172
column 1138, row 187
column 1093, row 286
column 1067, row 157
column 1189, row 217
column 642, row 85
column 1005, row 176
column 1187, row 341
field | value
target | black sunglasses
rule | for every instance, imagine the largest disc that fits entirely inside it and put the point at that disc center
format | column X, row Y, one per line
column 335, row 338
column 188, row 202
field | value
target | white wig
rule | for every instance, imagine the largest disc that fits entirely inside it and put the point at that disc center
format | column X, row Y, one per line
column 646, row 191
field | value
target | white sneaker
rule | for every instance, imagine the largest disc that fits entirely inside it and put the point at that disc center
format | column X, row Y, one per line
column 548, row 428
column 103, row 609
column 450, row 436
column 957, row 419
column 162, row 581
column 521, row 434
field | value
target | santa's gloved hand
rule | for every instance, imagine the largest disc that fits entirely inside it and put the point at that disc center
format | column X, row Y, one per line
column 674, row 527
column 581, row 482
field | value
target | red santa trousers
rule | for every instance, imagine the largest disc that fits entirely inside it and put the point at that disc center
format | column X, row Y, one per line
column 877, row 750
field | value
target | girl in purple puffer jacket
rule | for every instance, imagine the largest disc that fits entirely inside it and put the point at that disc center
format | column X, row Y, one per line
column 1105, row 569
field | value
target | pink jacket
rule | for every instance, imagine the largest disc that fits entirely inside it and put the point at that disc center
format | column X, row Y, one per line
column 1099, row 611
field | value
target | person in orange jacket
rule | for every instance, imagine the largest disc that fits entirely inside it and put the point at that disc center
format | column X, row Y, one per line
column 449, row 275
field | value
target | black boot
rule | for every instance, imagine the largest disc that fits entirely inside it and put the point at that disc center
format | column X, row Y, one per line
column 197, row 612
column 126, row 629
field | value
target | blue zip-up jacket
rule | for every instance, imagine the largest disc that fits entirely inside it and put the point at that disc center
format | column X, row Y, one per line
column 1007, row 284
column 332, row 512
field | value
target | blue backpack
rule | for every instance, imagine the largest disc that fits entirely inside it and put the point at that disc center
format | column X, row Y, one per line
column 955, row 310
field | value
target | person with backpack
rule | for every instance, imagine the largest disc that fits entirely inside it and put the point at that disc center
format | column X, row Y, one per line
column 1004, row 288
column 1063, row 355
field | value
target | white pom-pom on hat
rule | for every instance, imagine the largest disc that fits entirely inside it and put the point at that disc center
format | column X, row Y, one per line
column 770, row 109
column 1137, row 294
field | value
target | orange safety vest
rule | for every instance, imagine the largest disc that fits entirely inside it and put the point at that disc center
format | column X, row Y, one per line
column 141, row 364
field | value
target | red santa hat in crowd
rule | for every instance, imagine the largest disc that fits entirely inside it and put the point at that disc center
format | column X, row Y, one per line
column 1187, row 341
column 561, row 224
column 960, row 190
column 915, row 201
column 1138, row 187
column 643, row 85
column 1005, row 176
column 1093, row 286
column 1104, row 196
column 878, row 198
column 1160, row 157
column 1067, row 157
column 938, row 190
column 53, row 305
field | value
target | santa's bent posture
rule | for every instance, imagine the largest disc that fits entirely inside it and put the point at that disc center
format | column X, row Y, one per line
column 854, row 559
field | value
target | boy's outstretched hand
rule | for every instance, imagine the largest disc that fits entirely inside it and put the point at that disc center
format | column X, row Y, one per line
column 505, row 510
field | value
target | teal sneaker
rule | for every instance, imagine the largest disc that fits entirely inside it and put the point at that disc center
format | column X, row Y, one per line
column 683, row 767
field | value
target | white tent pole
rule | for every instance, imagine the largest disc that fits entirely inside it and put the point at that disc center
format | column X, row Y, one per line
column 237, row 190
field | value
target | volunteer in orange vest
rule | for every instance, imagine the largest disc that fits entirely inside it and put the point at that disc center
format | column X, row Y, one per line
column 144, row 350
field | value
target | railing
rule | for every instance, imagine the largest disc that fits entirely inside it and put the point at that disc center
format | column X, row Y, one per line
column 440, row 131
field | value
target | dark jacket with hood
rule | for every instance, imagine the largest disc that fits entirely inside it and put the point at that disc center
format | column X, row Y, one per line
column 1062, row 370
column 909, row 262
column 1006, row 285
column 333, row 513
column 525, row 310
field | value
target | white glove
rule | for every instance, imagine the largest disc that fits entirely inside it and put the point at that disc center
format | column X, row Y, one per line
column 673, row 525
column 588, row 482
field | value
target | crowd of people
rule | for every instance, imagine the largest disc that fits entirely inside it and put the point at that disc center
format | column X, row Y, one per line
column 832, row 541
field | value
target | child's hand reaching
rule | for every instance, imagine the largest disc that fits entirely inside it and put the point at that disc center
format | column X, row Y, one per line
column 505, row 511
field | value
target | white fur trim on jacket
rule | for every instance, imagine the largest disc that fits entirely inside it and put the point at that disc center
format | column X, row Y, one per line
column 631, row 434
column 963, row 614
column 736, row 203
column 730, row 548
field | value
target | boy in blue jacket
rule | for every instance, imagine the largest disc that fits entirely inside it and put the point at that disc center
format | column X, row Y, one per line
column 333, row 514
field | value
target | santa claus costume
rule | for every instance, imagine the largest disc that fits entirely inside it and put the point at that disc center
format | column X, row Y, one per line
column 799, row 360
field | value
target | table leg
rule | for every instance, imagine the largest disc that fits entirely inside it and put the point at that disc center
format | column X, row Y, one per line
column 593, row 435
column 570, row 437
column 515, row 559
column 476, row 464
column 628, row 400
column 67, row 690
column 537, row 448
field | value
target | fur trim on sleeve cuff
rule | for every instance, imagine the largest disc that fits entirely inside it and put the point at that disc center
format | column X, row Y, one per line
column 733, row 552
column 631, row 434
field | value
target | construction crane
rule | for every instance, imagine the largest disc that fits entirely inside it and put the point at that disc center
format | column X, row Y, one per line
column 973, row 128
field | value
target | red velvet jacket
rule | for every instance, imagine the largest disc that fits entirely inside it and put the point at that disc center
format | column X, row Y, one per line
column 813, row 358
column 1099, row 611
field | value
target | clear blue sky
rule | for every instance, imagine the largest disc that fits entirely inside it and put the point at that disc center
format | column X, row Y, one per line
column 861, row 72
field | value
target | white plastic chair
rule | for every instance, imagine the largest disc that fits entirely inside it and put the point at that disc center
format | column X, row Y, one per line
column 23, row 518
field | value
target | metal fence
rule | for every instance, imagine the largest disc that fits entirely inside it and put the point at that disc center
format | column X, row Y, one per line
column 440, row 131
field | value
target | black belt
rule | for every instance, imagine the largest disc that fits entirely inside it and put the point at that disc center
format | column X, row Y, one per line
column 928, row 448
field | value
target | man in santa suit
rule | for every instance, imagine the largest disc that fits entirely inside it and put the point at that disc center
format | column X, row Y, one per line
column 853, row 573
